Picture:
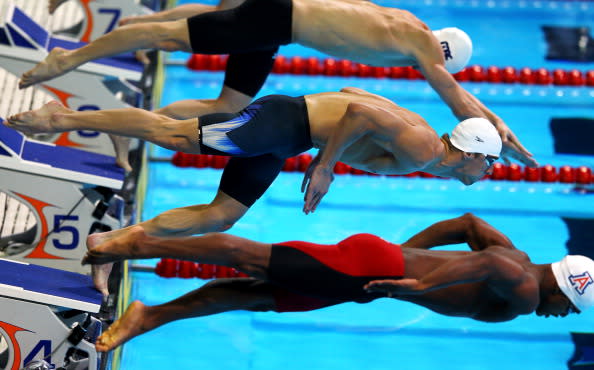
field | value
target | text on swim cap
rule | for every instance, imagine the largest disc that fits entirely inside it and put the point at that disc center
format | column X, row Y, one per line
column 581, row 282
column 447, row 52
column 476, row 138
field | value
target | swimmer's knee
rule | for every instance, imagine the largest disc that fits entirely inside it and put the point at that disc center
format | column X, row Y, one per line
column 218, row 220
column 223, row 215
column 224, row 224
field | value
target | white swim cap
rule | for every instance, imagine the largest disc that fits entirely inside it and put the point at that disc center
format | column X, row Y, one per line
column 456, row 46
column 574, row 277
column 477, row 135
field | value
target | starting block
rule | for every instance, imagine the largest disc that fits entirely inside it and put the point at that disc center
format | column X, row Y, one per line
column 23, row 43
column 45, row 320
column 69, row 193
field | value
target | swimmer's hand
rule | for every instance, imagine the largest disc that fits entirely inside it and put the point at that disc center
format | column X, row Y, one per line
column 512, row 148
column 316, row 181
column 395, row 287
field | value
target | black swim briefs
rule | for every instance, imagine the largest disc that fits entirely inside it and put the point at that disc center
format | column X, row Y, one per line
column 251, row 33
column 259, row 138
column 274, row 124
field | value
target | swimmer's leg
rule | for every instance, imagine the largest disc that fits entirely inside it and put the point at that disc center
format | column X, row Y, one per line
column 254, row 25
column 243, row 182
column 229, row 101
column 245, row 74
column 131, row 122
column 38, row 120
column 219, row 215
column 42, row 120
column 217, row 296
column 179, row 12
column 220, row 249
column 168, row 36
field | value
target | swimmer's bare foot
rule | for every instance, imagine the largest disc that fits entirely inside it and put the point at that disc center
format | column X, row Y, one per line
column 55, row 64
column 106, row 248
column 115, row 245
column 101, row 271
column 54, row 4
column 130, row 325
column 121, row 145
column 39, row 120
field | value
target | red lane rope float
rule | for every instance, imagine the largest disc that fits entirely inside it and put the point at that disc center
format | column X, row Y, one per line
column 565, row 174
column 170, row 268
column 336, row 67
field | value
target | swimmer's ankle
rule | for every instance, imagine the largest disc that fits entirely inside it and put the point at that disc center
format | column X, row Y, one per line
column 59, row 122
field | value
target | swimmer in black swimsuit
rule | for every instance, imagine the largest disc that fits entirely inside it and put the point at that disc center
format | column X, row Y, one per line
column 252, row 31
column 494, row 282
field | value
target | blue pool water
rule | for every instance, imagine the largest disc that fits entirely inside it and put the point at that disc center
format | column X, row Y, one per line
column 388, row 334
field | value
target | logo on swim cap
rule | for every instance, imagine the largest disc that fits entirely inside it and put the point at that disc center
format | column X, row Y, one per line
column 574, row 277
column 581, row 282
column 456, row 46
column 447, row 53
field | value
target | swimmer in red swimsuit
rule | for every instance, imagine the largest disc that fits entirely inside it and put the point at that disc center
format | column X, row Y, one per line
column 493, row 282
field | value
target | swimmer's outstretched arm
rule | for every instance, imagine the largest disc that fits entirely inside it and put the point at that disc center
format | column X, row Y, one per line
column 468, row 228
column 354, row 124
column 138, row 123
column 377, row 123
column 168, row 36
column 512, row 282
column 465, row 105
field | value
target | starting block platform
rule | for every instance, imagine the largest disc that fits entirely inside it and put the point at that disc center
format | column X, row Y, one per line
column 20, row 153
column 48, row 286
column 44, row 318
column 68, row 191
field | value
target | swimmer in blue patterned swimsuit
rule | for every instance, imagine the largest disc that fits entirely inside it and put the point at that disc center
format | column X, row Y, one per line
column 361, row 129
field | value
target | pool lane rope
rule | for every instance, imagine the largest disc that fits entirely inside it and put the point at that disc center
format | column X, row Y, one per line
column 313, row 66
column 173, row 268
column 566, row 174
